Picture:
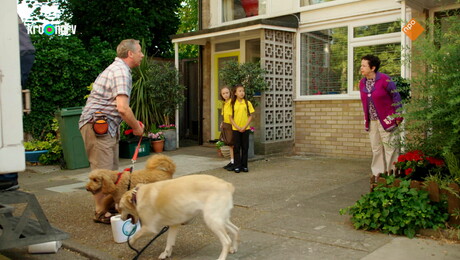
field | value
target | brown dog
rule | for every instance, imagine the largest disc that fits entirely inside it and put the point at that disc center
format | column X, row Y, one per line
column 176, row 201
column 158, row 167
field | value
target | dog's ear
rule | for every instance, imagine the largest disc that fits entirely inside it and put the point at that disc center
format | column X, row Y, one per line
column 108, row 187
column 128, row 200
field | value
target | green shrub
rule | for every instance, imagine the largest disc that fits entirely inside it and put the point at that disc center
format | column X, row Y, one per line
column 249, row 74
column 398, row 210
column 432, row 114
column 51, row 143
column 62, row 70
column 156, row 93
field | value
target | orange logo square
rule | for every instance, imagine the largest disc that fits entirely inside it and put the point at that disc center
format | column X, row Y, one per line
column 413, row 29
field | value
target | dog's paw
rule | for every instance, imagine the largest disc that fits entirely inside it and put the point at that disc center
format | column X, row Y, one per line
column 232, row 250
column 164, row 255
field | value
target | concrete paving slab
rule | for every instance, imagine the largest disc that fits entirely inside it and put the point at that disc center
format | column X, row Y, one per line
column 403, row 248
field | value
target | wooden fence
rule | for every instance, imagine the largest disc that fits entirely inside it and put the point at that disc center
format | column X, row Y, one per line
column 435, row 193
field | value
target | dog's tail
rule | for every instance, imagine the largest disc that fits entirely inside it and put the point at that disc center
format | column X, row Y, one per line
column 161, row 162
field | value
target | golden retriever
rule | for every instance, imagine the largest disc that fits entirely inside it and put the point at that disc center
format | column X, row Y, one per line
column 176, row 201
column 158, row 167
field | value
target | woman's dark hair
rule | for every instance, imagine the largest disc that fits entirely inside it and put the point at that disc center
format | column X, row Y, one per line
column 234, row 99
column 374, row 61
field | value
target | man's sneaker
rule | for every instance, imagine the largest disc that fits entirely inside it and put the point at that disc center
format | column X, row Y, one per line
column 228, row 166
column 9, row 185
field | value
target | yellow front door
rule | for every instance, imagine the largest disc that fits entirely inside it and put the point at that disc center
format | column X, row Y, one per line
column 219, row 62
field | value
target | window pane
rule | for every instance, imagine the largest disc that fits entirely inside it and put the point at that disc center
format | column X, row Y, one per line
column 324, row 62
column 253, row 50
column 238, row 9
column 389, row 55
column 376, row 29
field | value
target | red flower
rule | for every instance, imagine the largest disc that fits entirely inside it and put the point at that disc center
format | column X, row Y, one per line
column 408, row 171
column 435, row 161
column 129, row 131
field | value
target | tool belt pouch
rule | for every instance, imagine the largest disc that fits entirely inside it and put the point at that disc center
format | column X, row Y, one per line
column 100, row 124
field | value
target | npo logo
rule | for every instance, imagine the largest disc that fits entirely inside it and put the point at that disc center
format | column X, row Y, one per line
column 413, row 29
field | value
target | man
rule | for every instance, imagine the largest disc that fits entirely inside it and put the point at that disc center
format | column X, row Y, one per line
column 109, row 101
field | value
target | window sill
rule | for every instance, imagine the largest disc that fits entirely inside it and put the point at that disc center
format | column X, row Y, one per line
column 328, row 97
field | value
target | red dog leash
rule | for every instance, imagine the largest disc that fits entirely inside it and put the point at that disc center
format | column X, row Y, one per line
column 133, row 160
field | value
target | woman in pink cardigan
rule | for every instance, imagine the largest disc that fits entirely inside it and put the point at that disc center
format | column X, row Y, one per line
column 380, row 101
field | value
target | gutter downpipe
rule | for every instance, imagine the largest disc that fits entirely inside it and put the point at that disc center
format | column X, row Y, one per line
column 176, row 117
column 404, row 44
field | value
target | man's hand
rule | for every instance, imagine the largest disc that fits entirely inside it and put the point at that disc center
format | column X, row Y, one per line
column 139, row 130
column 127, row 115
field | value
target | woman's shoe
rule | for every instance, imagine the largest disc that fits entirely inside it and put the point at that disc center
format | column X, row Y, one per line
column 237, row 170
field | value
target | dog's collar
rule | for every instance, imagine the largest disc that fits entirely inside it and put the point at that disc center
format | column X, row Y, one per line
column 120, row 174
column 134, row 196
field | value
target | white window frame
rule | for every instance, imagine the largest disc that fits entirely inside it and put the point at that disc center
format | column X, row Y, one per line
column 352, row 43
column 325, row 5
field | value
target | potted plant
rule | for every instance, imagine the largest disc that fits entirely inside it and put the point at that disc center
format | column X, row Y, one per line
column 249, row 74
column 219, row 145
column 47, row 151
column 34, row 149
column 129, row 142
column 169, row 132
column 156, row 92
column 157, row 140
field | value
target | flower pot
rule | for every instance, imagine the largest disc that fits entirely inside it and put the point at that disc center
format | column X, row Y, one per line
column 225, row 150
column 157, row 145
column 251, row 7
column 128, row 147
column 170, row 140
column 32, row 156
column 219, row 153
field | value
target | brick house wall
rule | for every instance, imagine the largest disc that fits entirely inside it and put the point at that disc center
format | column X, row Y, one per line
column 331, row 128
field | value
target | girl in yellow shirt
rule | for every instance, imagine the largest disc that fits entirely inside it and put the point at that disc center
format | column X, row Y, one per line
column 241, row 117
column 226, row 125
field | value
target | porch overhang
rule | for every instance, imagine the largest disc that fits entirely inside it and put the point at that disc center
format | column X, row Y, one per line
column 285, row 23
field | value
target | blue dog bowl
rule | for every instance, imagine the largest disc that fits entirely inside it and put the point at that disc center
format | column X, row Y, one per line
column 32, row 156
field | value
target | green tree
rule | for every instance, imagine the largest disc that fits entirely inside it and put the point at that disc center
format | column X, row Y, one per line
column 188, row 15
column 115, row 20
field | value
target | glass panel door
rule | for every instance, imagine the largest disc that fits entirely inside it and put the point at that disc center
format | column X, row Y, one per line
column 220, row 60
